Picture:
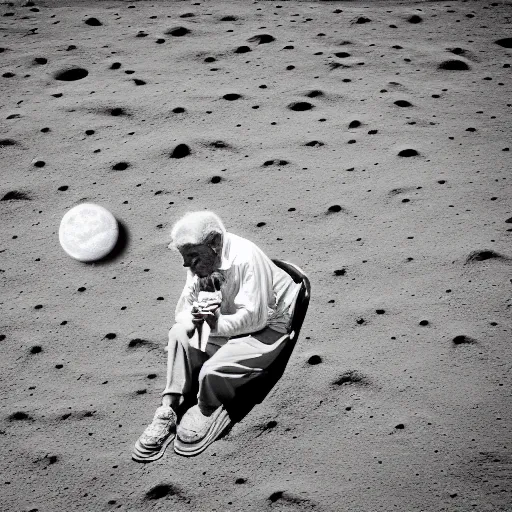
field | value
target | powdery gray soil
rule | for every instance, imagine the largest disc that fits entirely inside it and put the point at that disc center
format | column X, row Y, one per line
column 397, row 415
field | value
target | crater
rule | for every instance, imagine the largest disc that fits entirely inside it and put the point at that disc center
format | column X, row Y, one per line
column 71, row 74
column 408, row 153
column 178, row 31
column 463, row 340
column 231, row 96
column 505, row 42
column 161, row 491
column 351, row 377
column 261, row 39
column 454, row 65
column 120, row 166
column 8, row 142
column 16, row 195
column 482, row 255
column 93, row 22
column 415, row 19
column 180, row 151
column 300, row 106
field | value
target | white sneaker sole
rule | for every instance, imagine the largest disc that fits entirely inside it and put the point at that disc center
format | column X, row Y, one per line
column 216, row 429
column 141, row 454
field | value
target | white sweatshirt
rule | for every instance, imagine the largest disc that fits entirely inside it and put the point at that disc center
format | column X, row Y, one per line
column 255, row 294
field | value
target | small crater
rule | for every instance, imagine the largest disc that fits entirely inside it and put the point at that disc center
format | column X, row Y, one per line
column 314, row 94
column 361, row 20
column 117, row 112
column 300, row 106
column 403, row 103
column 178, row 110
column 16, row 195
column 335, row 208
column 36, row 349
column 160, row 491
column 240, row 480
column 19, row 416
column 408, row 153
column 180, row 151
column 350, row 377
column 463, row 340
column 243, row 49
column 400, row 426
column 229, row 18
column 215, row 179
column 71, row 75
column 482, row 255
column 342, row 55
column 315, row 359
column 415, row 19
column 454, row 65
column 8, row 142
column 231, row 96
column 505, row 43
column 115, row 65
column 177, row 31
column 120, row 166
column 340, row 272
column 137, row 342
column 424, row 323
column 110, row 336
column 219, row 144
column 93, row 22
column 138, row 81
column 354, row 124
column 40, row 60
column 314, row 143
column 261, row 39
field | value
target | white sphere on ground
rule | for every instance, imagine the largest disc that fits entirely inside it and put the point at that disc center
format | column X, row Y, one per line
column 88, row 232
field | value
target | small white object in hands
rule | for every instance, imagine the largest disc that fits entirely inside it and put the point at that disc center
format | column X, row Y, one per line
column 88, row 232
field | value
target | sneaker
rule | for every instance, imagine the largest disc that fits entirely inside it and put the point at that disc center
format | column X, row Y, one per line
column 157, row 435
column 195, row 425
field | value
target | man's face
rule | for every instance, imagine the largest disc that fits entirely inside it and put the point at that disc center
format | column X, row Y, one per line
column 201, row 259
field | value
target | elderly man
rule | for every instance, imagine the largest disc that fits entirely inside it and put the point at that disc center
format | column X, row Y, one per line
column 249, row 310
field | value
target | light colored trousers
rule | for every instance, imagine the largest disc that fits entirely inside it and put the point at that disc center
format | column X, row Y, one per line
column 226, row 365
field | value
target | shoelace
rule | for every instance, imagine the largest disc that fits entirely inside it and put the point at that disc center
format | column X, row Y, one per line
column 158, row 426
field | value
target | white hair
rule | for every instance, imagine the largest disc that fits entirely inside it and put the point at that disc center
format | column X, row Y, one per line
column 195, row 228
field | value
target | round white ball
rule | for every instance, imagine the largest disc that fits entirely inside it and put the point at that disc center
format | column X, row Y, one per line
column 88, row 232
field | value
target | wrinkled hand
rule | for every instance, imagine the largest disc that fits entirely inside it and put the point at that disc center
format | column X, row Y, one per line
column 208, row 311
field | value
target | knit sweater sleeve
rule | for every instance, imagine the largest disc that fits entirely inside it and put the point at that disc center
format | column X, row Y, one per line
column 252, row 299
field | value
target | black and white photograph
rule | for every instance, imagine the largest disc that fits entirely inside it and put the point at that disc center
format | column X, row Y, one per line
column 256, row 255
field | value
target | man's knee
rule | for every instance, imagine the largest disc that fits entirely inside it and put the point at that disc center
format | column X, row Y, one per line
column 178, row 333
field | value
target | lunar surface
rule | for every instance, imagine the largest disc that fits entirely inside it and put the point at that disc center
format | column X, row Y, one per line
column 368, row 142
